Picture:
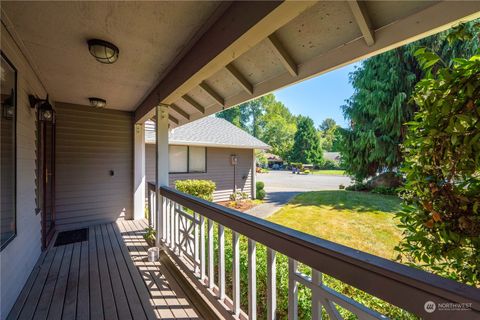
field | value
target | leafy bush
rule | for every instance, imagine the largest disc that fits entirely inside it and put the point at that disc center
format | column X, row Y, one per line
column 260, row 185
column 330, row 165
column 385, row 190
column 199, row 188
column 441, row 218
column 260, row 194
column 306, row 171
column 358, row 186
column 239, row 196
column 150, row 236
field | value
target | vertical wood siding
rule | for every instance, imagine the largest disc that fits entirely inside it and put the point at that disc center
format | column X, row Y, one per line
column 90, row 143
column 18, row 258
column 219, row 170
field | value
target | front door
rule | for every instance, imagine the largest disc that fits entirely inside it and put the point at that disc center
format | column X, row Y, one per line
column 46, row 129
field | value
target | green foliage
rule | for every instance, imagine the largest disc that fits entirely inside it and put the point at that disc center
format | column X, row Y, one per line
column 358, row 186
column 149, row 235
column 385, row 190
column 261, row 159
column 306, row 148
column 239, row 196
column 330, row 135
column 380, row 105
column 199, row 188
column 260, row 193
column 441, row 218
column 328, row 164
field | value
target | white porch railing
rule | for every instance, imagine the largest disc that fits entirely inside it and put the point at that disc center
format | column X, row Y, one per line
column 188, row 226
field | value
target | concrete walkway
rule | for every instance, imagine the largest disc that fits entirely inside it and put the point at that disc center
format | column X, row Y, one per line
column 281, row 186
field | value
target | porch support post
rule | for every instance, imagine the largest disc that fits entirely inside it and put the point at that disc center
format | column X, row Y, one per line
column 139, row 171
column 161, row 151
column 254, row 175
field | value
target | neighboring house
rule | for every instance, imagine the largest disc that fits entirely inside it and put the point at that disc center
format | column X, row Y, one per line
column 274, row 161
column 205, row 149
column 333, row 156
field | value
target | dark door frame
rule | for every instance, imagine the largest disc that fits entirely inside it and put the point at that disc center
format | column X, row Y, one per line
column 46, row 178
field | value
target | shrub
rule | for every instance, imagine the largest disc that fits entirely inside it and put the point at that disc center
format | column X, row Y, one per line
column 385, row 190
column 330, row 165
column 199, row 188
column 341, row 187
column 150, row 236
column 260, row 185
column 261, row 194
column 239, row 196
column 358, row 186
column 306, row 171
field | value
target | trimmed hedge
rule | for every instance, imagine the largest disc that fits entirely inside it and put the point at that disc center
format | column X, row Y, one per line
column 199, row 188
column 260, row 194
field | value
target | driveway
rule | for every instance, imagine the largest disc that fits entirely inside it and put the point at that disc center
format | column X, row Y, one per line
column 281, row 186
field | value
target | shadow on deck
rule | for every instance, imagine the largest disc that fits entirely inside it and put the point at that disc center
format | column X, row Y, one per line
column 106, row 277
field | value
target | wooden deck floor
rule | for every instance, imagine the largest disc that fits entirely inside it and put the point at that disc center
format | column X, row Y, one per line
column 106, row 277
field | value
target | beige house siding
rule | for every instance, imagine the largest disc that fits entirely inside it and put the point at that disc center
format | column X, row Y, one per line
column 91, row 143
column 18, row 258
column 219, row 170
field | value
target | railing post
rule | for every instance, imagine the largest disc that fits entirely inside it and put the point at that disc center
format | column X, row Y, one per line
column 202, row 248
column 252, row 279
column 221, row 261
column 316, row 305
column 210, row 254
column 292, row 290
column 271, row 284
column 236, row 273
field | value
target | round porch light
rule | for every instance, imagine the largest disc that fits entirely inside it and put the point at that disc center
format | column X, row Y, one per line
column 97, row 102
column 103, row 51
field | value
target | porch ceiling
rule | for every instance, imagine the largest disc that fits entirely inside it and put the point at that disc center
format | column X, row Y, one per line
column 199, row 57
column 150, row 36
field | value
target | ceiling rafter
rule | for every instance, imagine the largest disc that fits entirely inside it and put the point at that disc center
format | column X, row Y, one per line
column 212, row 93
column 194, row 103
column 240, row 78
column 173, row 119
column 363, row 21
column 283, row 55
column 180, row 111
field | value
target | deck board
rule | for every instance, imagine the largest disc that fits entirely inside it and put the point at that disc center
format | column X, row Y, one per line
column 106, row 277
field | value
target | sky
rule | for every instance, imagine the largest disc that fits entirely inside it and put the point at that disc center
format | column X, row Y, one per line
column 320, row 97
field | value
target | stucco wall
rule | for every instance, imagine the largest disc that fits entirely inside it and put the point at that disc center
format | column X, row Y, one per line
column 219, row 170
column 18, row 258
column 90, row 144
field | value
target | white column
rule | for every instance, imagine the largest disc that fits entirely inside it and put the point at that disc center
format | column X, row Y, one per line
column 254, row 176
column 161, row 149
column 139, row 171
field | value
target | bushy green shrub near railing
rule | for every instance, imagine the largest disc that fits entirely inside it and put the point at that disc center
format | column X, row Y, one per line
column 260, row 193
column 199, row 188
column 304, row 294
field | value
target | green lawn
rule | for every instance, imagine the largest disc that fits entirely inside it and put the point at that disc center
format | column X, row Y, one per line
column 329, row 172
column 360, row 220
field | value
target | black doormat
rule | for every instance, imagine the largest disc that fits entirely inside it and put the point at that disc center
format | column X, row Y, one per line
column 72, row 236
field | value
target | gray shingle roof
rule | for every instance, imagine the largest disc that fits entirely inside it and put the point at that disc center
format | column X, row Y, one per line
column 208, row 131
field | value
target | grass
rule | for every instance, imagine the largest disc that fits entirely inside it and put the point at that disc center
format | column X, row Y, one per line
column 360, row 220
column 341, row 216
column 329, row 172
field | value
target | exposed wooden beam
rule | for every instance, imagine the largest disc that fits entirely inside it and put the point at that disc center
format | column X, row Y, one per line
column 212, row 93
column 240, row 78
column 194, row 103
column 363, row 20
column 180, row 111
column 431, row 20
column 173, row 119
column 283, row 55
column 243, row 25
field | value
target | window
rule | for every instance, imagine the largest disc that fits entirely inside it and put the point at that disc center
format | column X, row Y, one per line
column 7, row 147
column 183, row 159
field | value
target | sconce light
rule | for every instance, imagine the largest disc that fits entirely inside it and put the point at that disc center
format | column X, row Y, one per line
column 8, row 107
column 103, row 51
column 45, row 109
column 97, row 102
column 234, row 159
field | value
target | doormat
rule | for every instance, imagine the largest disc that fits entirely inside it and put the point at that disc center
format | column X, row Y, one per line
column 72, row 236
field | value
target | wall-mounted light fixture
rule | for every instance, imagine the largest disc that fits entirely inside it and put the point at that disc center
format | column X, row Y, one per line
column 45, row 109
column 103, row 51
column 9, row 107
column 97, row 102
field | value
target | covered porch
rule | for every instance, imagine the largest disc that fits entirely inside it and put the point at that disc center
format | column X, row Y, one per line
column 79, row 158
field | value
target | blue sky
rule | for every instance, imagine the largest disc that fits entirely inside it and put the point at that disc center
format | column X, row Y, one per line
column 320, row 97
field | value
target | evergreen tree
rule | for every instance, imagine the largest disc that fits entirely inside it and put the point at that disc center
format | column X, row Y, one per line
column 306, row 148
column 381, row 105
